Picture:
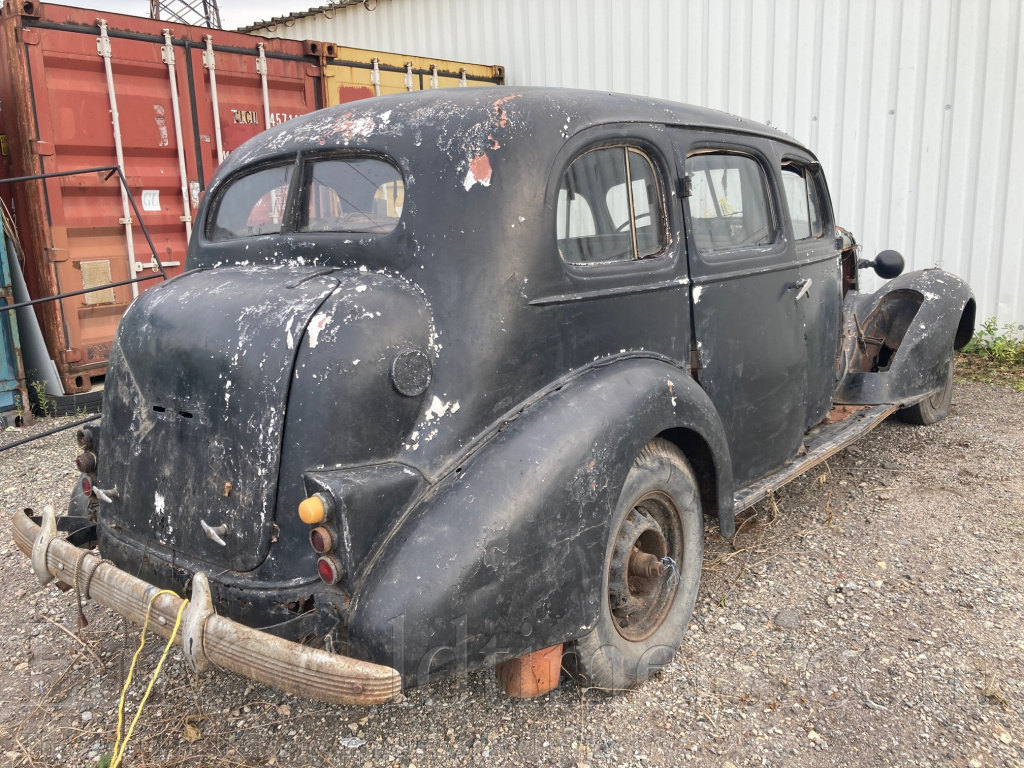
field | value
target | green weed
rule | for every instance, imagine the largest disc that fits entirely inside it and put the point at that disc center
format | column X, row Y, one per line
column 1006, row 346
column 994, row 356
column 46, row 405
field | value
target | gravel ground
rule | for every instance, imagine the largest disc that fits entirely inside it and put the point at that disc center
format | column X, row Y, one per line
column 869, row 615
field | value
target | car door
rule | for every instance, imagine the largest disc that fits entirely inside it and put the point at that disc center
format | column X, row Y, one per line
column 749, row 350
column 821, row 275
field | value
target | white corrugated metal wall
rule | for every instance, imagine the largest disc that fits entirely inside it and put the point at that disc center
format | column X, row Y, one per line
column 915, row 107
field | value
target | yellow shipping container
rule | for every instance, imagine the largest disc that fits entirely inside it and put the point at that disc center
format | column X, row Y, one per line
column 356, row 73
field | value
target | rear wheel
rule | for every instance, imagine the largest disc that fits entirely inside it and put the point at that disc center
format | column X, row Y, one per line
column 933, row 409
column 652, row 569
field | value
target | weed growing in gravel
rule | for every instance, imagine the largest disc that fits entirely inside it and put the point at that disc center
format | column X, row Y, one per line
column 1005, row 347
column 46, row 405
column 994, row 356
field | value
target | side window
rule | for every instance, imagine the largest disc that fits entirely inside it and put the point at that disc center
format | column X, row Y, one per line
column 252, row 205
column 574, row 216
column 610, row 208
column 803, row 201
column 647, row 212
column 728, row 202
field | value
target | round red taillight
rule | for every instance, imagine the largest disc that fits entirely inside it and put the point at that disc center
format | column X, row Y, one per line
column 321, row 540
column 86, row 462
column 329, row 569
column 87, row 486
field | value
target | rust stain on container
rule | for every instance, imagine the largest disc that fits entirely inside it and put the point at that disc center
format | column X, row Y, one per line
column 348, row 93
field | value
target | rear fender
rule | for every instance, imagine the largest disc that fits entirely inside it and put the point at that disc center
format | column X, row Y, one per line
column 507, row 554
column 898, row 341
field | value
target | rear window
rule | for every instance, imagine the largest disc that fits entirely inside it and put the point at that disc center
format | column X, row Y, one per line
column 357, row 195
column 253, row 205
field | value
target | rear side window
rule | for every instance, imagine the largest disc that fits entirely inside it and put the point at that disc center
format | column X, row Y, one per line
column 803, row 201
column 252, row 205
column 610, row 208
column 728, row 202
column 361, row 195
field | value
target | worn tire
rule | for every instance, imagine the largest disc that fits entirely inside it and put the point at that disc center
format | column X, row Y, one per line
column 933, row 409
column 622, row 652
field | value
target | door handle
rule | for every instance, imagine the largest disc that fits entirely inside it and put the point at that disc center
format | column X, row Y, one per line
column 804, row 284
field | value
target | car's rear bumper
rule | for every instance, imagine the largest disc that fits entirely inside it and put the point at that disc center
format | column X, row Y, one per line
column 207, row 639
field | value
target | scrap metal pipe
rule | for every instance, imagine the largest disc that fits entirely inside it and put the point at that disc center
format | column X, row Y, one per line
column 47, row 433
column 208, row 638
column 110, row 170
column 69, row 294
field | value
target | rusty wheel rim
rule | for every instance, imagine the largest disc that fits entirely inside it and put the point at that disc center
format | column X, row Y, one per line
column 641, row 585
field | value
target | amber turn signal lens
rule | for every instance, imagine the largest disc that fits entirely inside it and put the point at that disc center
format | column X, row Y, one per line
column 313, row 510
column 329, row 569
column 321, row 539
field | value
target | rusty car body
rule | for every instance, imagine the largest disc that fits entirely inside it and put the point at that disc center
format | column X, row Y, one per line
column 455, row 376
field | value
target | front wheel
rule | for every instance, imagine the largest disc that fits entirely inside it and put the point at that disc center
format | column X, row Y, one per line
column 933, row 409
column 652, row 570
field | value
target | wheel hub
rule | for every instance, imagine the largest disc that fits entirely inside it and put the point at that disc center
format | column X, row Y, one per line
column 639, row 592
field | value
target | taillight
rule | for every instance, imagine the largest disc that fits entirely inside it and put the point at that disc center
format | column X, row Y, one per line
column 329, row 569
column 87, row 486
column 86, row 462
column 87, row 439
column 321, row 540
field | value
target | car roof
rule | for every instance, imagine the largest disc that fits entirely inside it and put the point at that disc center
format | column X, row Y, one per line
column 600, row 107
column 467, row 111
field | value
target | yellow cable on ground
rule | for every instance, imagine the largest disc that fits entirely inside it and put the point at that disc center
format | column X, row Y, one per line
column 119, row 746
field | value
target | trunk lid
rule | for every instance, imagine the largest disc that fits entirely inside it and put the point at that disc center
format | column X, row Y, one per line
column 193, row 409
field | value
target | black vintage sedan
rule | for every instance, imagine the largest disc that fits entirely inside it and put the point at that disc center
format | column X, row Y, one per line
column 457, row 378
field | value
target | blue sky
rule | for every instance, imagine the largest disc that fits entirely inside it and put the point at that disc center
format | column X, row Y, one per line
column 233, row 13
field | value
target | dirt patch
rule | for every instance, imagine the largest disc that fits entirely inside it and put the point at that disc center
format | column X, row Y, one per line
column 869, row 614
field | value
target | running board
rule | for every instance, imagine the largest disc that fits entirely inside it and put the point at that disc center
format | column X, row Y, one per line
column 843, row 426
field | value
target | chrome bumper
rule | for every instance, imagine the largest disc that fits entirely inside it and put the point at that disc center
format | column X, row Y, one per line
column 207, row 639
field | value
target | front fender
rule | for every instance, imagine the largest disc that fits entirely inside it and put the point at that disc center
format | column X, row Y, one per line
column 507, row 554
column 917, row 320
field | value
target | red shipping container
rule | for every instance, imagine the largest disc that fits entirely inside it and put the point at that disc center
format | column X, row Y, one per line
column 60, row 66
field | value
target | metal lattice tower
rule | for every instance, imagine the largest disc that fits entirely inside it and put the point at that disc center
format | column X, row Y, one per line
column 199, row 13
